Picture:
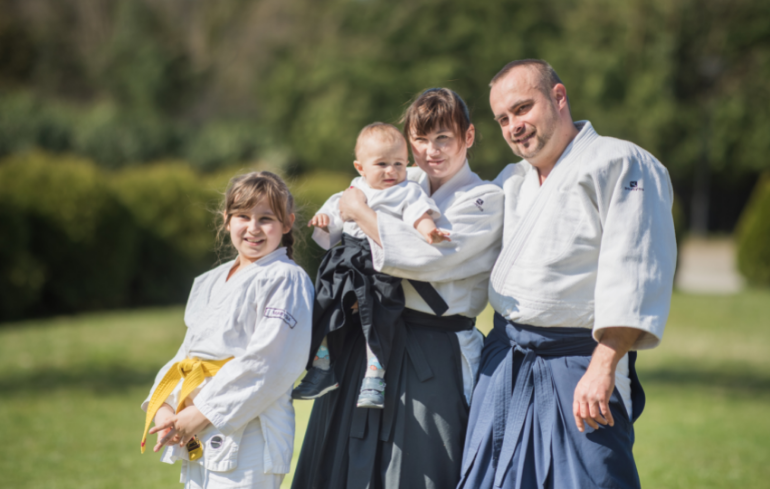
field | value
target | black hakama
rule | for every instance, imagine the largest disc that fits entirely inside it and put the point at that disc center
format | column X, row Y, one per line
column 417, row 440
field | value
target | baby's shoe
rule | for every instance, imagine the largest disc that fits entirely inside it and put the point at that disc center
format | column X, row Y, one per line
column 316, row 383
column 372, row 393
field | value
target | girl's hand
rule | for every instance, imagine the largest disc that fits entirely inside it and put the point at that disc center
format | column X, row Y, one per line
column 320, row 221
column 180, row 427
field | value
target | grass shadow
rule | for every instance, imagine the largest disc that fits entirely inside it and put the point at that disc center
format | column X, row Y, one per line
column 101, row 379
column 734, row 380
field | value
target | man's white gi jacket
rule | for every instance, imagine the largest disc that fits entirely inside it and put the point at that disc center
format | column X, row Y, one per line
column 593, row 247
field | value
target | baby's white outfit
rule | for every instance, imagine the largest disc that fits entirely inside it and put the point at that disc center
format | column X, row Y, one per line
column 406, row 201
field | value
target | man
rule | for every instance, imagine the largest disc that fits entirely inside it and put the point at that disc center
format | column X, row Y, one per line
column 584, row 278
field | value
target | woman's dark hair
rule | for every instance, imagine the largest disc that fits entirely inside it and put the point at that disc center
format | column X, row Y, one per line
column 436, row 108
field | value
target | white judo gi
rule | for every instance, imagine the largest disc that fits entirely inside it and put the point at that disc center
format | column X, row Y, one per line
column 471, row 210
column 262, row 318
column 406, row 201
column 591, row 247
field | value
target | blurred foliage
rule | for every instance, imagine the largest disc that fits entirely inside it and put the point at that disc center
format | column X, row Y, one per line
column 219, row 82
column 173, row 211
column 754, row 236
column 78, row 252
column 78, row 238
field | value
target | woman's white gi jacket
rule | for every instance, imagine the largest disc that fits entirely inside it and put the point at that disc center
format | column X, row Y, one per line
column 262, row 317
column 472, row 211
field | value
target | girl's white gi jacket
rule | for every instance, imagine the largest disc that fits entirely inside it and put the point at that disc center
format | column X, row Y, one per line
column 262, row 317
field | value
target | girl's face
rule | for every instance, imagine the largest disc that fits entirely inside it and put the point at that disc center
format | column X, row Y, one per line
column 257, row 232
column 441, row 153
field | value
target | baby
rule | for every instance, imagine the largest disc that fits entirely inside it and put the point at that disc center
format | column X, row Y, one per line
column 346, row 280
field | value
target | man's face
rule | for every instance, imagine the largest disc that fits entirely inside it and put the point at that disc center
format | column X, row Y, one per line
column 527, row 117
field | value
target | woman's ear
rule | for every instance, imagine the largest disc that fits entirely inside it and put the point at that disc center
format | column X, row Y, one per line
column 288, row 225
column 470, row 136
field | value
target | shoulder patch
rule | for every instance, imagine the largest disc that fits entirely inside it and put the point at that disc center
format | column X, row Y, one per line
column 274, row 312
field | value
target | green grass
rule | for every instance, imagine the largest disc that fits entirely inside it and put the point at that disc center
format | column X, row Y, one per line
column 70, row 390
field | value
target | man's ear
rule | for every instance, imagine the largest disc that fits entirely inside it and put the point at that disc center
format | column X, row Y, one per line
column 559, row 94
column 359, row 167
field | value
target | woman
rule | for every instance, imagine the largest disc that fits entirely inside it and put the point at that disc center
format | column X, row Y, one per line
column 417, row 439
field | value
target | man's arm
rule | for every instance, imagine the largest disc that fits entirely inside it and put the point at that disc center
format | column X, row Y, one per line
column 591, row 402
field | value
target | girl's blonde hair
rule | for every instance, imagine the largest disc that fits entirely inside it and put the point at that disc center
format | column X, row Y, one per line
column 245, row 191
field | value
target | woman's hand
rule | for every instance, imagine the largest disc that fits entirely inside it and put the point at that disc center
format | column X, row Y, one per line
column 179, row 428
column 353, row 200
column 353, row 207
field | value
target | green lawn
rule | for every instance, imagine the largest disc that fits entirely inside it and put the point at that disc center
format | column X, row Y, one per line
column 70, row 390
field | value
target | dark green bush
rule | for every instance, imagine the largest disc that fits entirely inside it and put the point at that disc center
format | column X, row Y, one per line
column 21, row 275
column 75, row 233
column 753, row 236
column 172, row 207
column 115, row 138
column 27, row 122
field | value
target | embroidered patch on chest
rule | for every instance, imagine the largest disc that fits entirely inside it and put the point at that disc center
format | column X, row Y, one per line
column 633, row 186
column 274, row 312
column 479, row 203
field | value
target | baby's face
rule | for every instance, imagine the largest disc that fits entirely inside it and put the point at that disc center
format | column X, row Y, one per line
column 382, row 163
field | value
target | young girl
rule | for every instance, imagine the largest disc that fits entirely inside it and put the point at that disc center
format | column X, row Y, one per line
column 230, row 420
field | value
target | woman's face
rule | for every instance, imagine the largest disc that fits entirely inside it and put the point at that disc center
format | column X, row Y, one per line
column 441, row 153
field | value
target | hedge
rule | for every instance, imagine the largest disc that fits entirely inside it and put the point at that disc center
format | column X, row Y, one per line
column 73, row 234
column 753, row 236
column 75, row 237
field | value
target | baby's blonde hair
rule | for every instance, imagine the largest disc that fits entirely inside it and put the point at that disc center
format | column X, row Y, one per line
column 380, row 131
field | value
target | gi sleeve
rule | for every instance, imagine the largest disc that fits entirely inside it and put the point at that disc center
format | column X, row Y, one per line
column 332, row 209
column 475, row 222
column 417, row 203
column 637, row 257
column 274, row 358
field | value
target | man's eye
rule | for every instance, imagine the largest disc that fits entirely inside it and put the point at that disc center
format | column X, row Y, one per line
column 523, row 109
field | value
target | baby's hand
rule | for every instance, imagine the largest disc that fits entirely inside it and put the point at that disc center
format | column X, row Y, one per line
column 320, row 220
column 437, row 236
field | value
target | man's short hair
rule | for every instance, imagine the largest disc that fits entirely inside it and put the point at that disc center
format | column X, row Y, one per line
column 547, row 77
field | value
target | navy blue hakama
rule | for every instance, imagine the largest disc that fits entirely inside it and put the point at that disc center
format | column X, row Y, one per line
column 521, row 430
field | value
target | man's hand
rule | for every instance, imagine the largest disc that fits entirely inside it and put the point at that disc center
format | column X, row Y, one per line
column 180, row 428
column 320, row 220
column 591, row 402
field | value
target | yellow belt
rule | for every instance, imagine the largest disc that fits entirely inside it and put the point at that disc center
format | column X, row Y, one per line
column 194, row 371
